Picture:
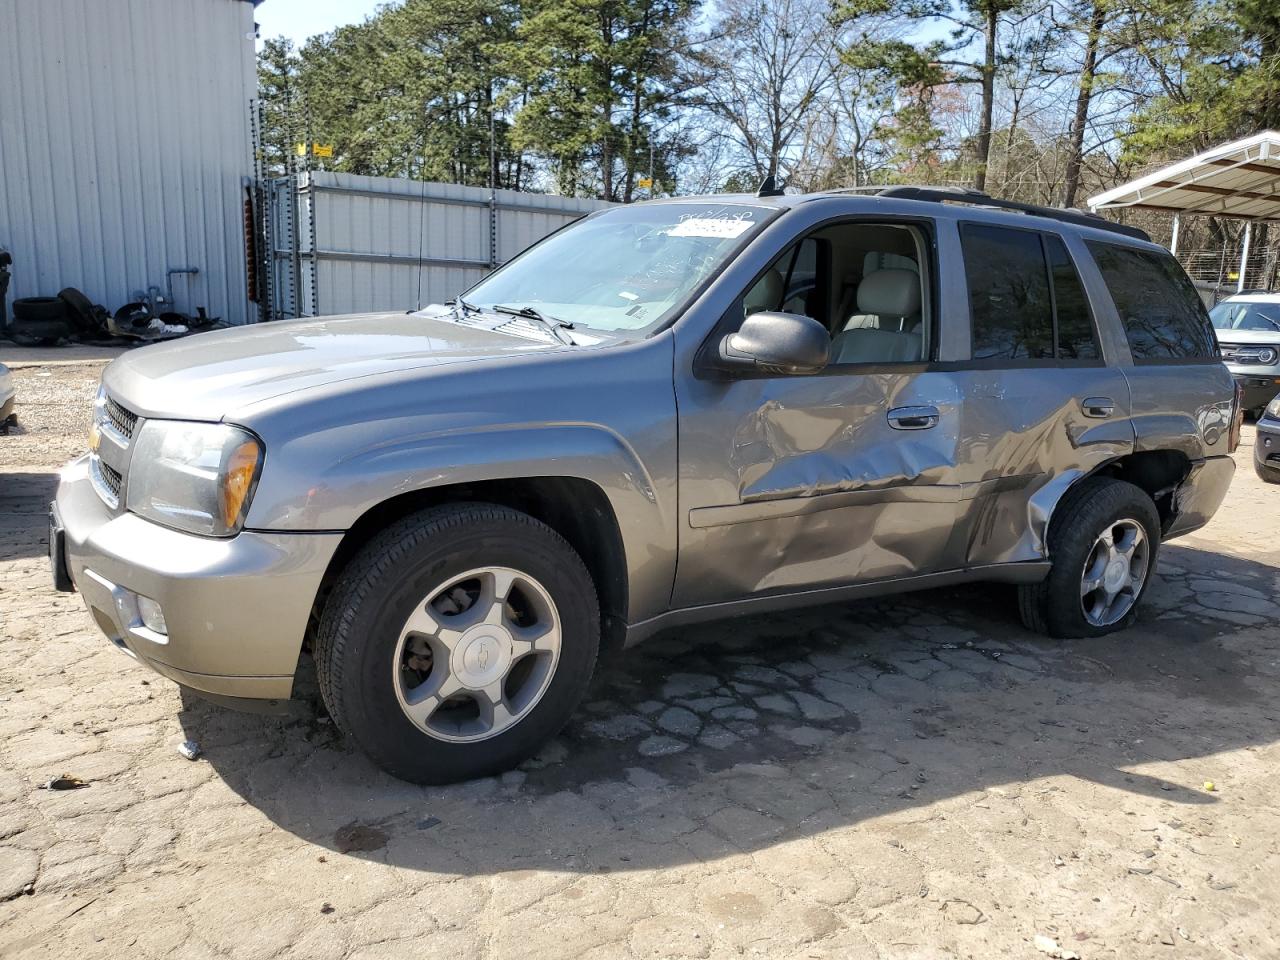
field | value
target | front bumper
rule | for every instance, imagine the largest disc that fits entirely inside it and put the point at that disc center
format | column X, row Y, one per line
column 1266, row 445
column 1259, row 385
column 236, row 609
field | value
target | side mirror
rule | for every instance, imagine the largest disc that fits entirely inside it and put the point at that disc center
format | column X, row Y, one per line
column 777, row 343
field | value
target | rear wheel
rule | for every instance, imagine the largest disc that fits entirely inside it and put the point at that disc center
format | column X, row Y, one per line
column 1103, row 542
column 457, row 642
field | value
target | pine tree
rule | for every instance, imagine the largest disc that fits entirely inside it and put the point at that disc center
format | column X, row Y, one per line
column 280, row 95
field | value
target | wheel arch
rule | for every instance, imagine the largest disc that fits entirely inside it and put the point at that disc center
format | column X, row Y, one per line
column 1158, row 473
column 578, row 509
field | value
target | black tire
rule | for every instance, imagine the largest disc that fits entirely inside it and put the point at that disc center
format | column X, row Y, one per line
column 38, row 331
column 80, row 310
column 40, row 310
column 360, row 626
column 1053, row 606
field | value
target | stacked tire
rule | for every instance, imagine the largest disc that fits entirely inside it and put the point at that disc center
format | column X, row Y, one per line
column 45, row 320
column 40, row 319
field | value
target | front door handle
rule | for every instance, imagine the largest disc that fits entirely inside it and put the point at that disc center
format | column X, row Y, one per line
column 913, row 418
column 1099, row 408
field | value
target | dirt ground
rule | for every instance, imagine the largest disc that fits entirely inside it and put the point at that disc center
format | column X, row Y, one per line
column 917, row 777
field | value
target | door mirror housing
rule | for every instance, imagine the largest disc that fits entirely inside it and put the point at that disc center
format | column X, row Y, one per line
column 772, row 342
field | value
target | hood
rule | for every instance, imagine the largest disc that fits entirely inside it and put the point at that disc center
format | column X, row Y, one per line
column 205, row 376
column 1269, row 337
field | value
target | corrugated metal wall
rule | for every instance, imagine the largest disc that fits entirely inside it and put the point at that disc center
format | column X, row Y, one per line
column 125, row 147
column 388, row 244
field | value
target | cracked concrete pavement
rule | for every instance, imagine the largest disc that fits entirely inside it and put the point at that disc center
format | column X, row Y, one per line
column 911, row 777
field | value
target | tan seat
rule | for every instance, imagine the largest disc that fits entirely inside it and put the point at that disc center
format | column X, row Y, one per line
column 887, row 327
column 887, row 300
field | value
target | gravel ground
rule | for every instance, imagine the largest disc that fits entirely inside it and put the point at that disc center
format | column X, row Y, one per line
column 916, row 777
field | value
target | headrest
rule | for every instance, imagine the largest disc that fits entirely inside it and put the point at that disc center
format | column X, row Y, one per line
column 892, row 293
column 765, row 295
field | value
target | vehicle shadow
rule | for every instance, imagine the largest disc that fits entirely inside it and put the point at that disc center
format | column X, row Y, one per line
column 734, row 737
column 24, row 504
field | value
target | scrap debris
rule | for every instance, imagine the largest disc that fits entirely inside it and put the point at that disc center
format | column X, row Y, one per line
column 190, row 749
column 64, row 782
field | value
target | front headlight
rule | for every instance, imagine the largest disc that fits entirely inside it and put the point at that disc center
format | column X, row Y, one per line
column 1273, row 408
column 197, row 477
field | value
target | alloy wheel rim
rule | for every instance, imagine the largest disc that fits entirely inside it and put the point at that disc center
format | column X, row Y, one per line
column 1115, row 573
column 476, row 655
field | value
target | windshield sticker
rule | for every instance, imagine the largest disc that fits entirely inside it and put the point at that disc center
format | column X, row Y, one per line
column 719, row 228
column 628, row 295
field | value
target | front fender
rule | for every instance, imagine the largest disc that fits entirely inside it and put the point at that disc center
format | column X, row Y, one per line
column 325, row 470
column 336, row 494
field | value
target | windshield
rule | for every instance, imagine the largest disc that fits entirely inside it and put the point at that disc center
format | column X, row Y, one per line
column 626, row 269
column 1246, row 315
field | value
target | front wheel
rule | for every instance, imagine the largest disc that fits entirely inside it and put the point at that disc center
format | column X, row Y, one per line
column 1103, row 542
column 457, row 642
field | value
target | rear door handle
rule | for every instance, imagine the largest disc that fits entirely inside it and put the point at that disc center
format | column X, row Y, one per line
column 913, row 418
column 1098, row 407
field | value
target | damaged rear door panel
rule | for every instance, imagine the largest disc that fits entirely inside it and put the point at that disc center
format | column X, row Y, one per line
column 1028, row 436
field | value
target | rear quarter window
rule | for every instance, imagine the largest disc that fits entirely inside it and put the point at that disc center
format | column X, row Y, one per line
column 1162, row 314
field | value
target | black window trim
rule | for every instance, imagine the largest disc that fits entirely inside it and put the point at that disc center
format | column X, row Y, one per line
column 1094, row 332
column 1054, row 362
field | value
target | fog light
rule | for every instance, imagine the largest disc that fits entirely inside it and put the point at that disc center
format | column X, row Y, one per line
column 151, row 615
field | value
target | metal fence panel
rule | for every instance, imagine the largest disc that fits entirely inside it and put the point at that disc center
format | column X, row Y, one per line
column 350, row 244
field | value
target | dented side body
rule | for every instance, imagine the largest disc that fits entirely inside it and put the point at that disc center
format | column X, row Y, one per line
column 803, row 483
column 729, row 493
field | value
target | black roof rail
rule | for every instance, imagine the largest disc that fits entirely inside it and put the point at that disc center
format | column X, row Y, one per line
column 966, row 195
column 1080, row 218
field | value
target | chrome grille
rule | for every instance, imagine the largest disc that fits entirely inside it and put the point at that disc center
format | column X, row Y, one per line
column 124, row 421
column 115, row 425
column 106, row 481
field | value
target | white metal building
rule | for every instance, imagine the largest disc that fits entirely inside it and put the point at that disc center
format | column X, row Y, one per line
column 125, row 148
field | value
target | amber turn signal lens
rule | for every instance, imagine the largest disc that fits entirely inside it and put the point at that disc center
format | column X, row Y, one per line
column 242, row 467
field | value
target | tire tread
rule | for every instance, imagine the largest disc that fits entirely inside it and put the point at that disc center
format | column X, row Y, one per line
column 384, row 553
column 1048, row 607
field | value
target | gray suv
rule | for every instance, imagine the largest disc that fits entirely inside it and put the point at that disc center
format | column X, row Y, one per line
column 662, row 414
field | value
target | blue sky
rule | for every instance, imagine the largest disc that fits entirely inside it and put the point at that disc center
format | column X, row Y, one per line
column 299, row 19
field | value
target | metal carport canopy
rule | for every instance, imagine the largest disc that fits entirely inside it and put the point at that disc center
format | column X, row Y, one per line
column 1239, row 179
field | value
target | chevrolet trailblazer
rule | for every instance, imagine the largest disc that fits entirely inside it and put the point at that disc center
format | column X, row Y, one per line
column 664, row 413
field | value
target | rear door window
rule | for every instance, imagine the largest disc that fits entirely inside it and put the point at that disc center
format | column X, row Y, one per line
column 1163, row 316
column 1009, row 299
column 1025, row 297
